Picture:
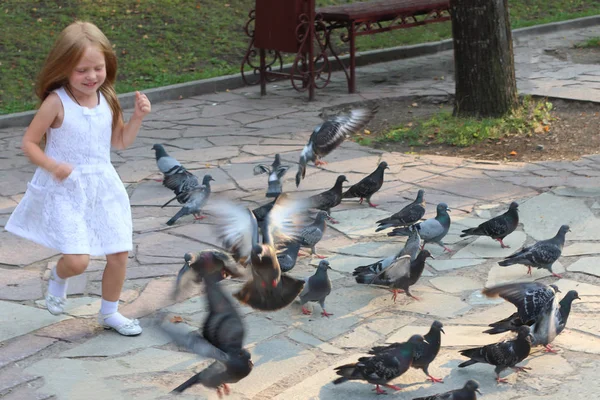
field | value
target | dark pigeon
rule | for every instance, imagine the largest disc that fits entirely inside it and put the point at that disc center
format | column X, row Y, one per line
column 467, row 392
column 193, row 201
column 327, row 136
column 503, row 355
column 313, row 233
column 288, row 256
column 276, row 172
column 411, row 248
column 409, row 215
column 330, row 198
column 432, row 230
column 367, row 186
column 399, row 276
column 498, row 227
column 425, row 352
column 316, row 288
column 222, row 335
column 381, row 368
column 540, row 255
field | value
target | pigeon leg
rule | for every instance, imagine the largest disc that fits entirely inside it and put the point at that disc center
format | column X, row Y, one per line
column 226, row 389
column 395, row 293
column 360, row 202
column 313, row 251
column 333, row 221
column 219, row 393
column 378, row 390
column 392, row 387
column 320, row 162
column 199, row 217
column 521, row 369
column 409, row 294
column 556, row 275
column 423, row 246
column 501, row 380
column 504, row 246
column 445, row 248
column 157, row 180
column 529, row 270
column 550, row 349
column 325, row 313
column 434, row 379
column 305, row 311
column 371, row 204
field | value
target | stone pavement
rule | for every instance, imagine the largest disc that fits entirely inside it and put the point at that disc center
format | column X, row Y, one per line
column 226, row 134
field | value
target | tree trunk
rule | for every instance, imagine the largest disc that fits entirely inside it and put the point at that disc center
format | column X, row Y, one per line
column 483, row 58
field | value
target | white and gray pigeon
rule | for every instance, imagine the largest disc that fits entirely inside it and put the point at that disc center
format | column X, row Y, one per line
column 313, row 233
column 542, row 254
column 165, row 163
column 467, row 392
column 432, row 230
column 409, row 215
column 411, row 248
column 498, row 227
column 175, row 176
column 316, row 288
column 276, row 172
column 193, row 201
column 327, row 136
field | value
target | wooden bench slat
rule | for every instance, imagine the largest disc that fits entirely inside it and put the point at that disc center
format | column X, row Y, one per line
column 382, row 9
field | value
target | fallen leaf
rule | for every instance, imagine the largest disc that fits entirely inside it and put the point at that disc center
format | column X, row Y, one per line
column 207, row 165
column 414, row 105
column 539, row 129
column 176, row 319
column 409, row 124
column 546, row 128
column 367, row 132
column 513, row 153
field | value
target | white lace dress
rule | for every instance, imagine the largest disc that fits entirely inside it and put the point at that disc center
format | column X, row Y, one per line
column 88, row 212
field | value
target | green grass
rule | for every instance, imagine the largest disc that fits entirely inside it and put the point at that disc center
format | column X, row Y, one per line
column 530, row 118
column 162, row 42
column 590, row 43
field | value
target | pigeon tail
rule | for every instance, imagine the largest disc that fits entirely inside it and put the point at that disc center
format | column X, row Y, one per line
column 384, row 226
column 467, row 363
column 179, row 214
column 187, row 384
column 472, row 231
column 509, row 261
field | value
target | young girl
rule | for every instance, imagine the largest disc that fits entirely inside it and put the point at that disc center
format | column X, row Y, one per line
column 76, row 202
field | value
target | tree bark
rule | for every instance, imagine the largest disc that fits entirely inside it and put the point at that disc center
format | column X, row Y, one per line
column 483, row 58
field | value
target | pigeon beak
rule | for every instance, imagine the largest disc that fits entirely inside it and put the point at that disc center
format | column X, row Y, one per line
column 478, row 391
column 431, row 256
column 447, row 209
column 578, row 298
column 442, row 330
column 558, row 290
column 425, row 341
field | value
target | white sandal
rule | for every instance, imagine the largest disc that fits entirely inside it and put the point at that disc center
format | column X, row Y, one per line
column 130, row 328
column 54, row 304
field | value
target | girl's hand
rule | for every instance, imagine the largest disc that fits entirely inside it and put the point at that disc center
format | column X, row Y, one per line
column 142, row 105
column 61, row 171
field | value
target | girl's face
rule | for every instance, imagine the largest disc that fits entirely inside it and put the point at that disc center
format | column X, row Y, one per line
column 89, row 73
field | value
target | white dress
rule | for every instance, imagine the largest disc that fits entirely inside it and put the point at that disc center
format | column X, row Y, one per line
column 88, row 212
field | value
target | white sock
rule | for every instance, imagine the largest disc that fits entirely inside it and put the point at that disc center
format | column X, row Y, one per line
column 57, row 286
column 111, row 307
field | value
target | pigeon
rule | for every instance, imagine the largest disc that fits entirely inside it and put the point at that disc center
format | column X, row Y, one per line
column 540, row 255
column 425, row 352
column 409, row 215
column 222, row 334
column 432, row 230
column 327, row 136
column 467, row 392
column 276, row 171
column 288, row 256
column 399, row 276
column 498, row 227
column 506, row 354
column 537, row 307
column 313, row 233
column 317, row 288
column 267, row 289
column 193, row 201
column 330, row 198
column 181, row 182
column 411, row 248
column 165, row 163
column 382, row 367
column 367, row 186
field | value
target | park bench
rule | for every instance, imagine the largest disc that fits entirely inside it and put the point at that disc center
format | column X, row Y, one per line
column 295, row 26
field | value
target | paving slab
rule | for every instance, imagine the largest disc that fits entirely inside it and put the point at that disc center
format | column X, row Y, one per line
column 17, row 320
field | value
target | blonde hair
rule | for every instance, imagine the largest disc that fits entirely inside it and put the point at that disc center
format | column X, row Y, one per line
column 66, row 53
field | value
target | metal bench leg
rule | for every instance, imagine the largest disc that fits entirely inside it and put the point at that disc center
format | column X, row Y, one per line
column 263, row 73
column 352, row 44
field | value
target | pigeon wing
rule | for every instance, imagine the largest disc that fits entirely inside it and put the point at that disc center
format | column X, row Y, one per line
column 530, row 298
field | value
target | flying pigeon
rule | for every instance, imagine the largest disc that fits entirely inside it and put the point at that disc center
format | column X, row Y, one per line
column 540, row 255
column 276, row 171
column 425, row 352
column 367, row 186
column 313, row 233
column 537, row 307
column 409, row 215
column 222, row 334
column 399, row 276
column 383, row 367
column 327, row 136
column 467, row 392
column 432, row 230
column 316, row 288
column 498, row 227
column 237, row 227
column 193, row 201
column 411, row 248
column 506, row 354
column 330, row 198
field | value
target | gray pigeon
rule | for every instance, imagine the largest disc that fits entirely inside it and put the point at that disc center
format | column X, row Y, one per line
column 411, row 248
column 276, row 171
column 327, row 136
column 540, row 255
column 222, row 334
column 467, row 392
column 330, row 198
column 288, row 256
column 506, row 354
column 432, row 230
column 382, row 367
column 193, row 201
column 409, row 215
column 317, row 288
column 313, row 233
column 165, row 163
column 367, row 186
column 498, row 227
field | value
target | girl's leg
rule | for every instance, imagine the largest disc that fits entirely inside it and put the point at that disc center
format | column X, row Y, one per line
column 68, row 265
column 112, row 283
